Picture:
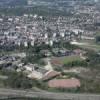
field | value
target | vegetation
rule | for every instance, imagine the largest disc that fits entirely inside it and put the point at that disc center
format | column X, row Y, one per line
column 40, row 10
column 76, row 64
column 72, row 90
column 5, row 3
column 34, row 55
column 18, row 80
column 32, row 59
column 64, row 44
column 69, row 59
column 97, row 39
column 23, row 98
column 93, row 59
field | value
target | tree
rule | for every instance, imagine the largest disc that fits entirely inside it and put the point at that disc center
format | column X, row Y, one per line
column 18, row 80
column 97, row 39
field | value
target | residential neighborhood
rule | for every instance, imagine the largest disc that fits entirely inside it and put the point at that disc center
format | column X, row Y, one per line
column 51, row 52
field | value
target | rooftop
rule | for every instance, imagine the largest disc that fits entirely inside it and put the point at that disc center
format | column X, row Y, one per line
column 64, row 83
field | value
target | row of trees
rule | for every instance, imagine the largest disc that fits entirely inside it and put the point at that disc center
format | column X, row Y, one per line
column 93, row 58
column 23, row 98
column 40, row 10
column 97, row 39
column 18, row 80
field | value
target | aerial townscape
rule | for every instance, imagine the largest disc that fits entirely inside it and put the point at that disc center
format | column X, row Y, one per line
column 50, row 46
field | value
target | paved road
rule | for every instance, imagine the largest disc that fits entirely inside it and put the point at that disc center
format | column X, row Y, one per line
column 50, row 95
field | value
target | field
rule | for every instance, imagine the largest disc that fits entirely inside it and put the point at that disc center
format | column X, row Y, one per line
column 89, row 44
column 91, row 47
column 65, row 60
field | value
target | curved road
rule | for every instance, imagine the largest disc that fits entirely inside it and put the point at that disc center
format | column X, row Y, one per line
column 49, row 95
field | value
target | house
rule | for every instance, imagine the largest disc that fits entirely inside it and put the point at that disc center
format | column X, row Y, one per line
column 35, row 75
column 64, row 83
column 29, row 67
column 47, row 53
column 50, row 74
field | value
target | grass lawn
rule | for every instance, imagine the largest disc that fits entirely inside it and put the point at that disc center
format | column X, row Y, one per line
column 90, row 45
column 66, row 59
column 9, row 52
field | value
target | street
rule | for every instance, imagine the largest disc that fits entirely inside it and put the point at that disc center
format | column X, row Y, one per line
column 47, row 95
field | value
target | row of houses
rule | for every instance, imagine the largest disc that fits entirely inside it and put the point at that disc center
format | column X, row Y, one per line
column 22, row 29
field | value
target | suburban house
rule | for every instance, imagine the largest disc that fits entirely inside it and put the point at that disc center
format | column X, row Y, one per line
column 51, row 74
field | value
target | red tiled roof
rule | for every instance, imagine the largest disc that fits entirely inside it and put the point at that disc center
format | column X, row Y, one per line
column 50, row 74
column 64, row 83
